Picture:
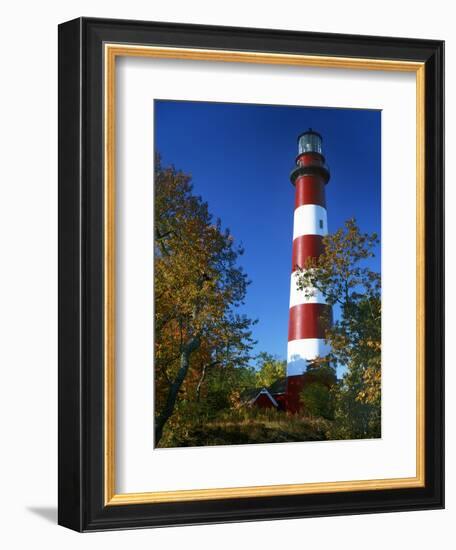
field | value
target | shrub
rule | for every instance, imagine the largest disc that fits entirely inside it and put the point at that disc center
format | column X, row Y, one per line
column 317, row 401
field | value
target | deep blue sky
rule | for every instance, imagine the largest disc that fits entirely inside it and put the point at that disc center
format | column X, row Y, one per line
column 240, row 157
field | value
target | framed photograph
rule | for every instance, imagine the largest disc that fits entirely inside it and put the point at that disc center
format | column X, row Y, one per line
column 251, row 312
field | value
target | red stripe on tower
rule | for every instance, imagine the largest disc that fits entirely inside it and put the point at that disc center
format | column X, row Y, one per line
column 310, row 190
column 305, row 247
column 309, row 314
column 308, row 320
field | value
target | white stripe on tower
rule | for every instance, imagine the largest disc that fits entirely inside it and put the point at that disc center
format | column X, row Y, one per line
column 301, row 351
column 297, row 296
column 310, row 219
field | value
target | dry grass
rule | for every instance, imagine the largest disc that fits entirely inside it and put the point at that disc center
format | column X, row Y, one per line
column 250, row 426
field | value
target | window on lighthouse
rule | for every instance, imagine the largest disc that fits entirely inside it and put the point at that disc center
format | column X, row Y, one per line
column 321, row 224
column 309, row 142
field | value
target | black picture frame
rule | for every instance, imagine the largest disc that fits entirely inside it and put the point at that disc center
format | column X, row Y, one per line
column 81, row 401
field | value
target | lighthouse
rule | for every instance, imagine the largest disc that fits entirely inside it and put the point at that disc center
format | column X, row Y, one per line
column 308, row 310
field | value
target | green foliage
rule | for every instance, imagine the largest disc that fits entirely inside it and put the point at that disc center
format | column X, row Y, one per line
column 341, row 275
column 317, row 396
column 269, row 369
column 225, row 384
column 353, row 418
column 317, row 401
column 323, row 370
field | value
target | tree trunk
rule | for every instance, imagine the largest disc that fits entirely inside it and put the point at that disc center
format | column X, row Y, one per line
column 174, row 388
column 202, row 377
column 200, row 383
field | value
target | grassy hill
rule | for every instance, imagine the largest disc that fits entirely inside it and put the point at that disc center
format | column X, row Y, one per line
column 248, row 426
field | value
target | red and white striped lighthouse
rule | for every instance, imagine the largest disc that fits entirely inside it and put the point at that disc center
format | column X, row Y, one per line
column 306, row 338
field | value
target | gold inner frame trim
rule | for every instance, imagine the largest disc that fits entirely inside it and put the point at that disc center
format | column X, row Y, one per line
column 111, row 52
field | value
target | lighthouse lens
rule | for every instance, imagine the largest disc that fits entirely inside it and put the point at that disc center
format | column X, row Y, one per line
column 310, row 143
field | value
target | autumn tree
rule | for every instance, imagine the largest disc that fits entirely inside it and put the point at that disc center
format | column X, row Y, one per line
column 342, row 274
column 269, row 369
column 198, row 288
